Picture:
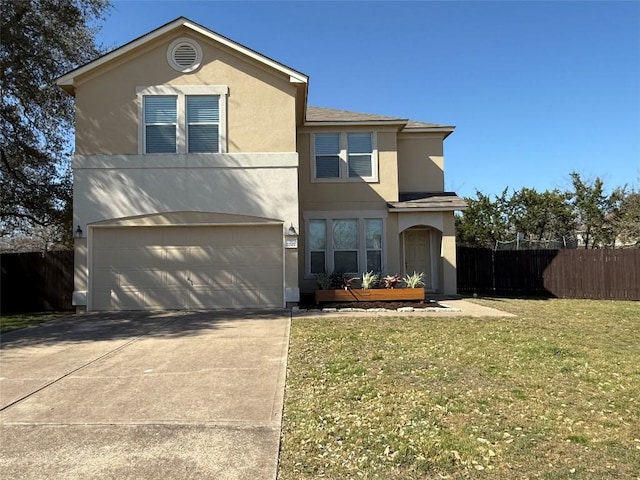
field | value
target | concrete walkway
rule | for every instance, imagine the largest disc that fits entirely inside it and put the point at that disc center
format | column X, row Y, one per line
column 457, row 308
column 171, row 395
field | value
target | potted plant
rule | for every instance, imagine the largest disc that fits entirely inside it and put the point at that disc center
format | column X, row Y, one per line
column 342, row 289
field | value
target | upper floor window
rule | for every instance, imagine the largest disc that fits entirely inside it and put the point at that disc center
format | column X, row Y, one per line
column 160, row 123
column 347, row 156
column 203, row 121
column 182, row 119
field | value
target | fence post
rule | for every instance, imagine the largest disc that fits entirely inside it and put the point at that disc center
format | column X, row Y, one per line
column 493, row 272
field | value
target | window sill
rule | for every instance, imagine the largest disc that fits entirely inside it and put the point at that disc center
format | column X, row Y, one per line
column 346, row 180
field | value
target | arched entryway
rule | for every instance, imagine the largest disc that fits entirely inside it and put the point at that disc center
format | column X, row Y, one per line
column 420, row 246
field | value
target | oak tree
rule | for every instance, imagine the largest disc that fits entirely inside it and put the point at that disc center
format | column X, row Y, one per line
column 39, row 41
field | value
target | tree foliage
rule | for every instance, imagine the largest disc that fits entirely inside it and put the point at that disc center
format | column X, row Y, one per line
column 629, row 218
column 545, row 216
column 485, row 221
column 40, row 40
column 584, row 215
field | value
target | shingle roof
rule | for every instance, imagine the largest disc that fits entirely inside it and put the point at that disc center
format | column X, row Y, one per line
column 414, row 124
column 332, row 115
column 429, row 201
column 321, row 114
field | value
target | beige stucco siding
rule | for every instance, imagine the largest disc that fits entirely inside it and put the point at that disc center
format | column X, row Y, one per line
column 260, row 108
column 349, row 195
column 448, row 248
column 393, row 247
column 420, row 162
column 110, row 187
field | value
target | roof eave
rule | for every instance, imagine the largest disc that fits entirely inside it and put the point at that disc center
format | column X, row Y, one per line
column 451, row 208
column 353, row 123
column 445, row 130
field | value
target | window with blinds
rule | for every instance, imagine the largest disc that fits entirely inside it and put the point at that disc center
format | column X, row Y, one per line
column 327, row 148
column 359, row 155
column 317, row 245
column 161, row 121
column 203, row 123
column 349, row 157
column 170, row 118
column 344, row 245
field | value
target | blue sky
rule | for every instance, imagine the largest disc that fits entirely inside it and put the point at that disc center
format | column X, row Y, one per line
column 535, row 89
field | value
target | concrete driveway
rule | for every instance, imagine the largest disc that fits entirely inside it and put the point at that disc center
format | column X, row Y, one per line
column 171, row 395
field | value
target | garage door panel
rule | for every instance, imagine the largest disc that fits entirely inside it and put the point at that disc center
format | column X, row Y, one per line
column 259, row 237
column 214, row 278
column 268, row 256
column 136, row 277
column 187, row 267
column 223, row 237
column 145, row 256
column 177, row 278
column 248, row 297
column 105, row 278
column 158, row 299
column 176, row 236
column 202, row 254
column 204, row 298
column 252, row 298
column 102, row 300
column 265, row 277
column 176, row 257
column 124, row 300
column 107, row 238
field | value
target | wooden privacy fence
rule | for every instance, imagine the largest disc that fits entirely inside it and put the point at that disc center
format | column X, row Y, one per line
column 597, row 274
column 36, row 282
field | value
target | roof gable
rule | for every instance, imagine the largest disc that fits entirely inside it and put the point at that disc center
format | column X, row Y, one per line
column 67, row 81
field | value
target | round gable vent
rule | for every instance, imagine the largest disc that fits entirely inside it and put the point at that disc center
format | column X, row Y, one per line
column 184, row 55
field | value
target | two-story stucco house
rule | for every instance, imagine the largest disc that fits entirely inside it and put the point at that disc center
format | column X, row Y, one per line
column 196, row 158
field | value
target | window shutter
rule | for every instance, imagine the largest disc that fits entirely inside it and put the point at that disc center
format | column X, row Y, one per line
column 203, row 118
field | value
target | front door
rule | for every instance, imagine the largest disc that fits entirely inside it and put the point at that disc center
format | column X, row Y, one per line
column 417, row 254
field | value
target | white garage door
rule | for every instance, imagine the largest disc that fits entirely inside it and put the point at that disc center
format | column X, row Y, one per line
column 147, row 268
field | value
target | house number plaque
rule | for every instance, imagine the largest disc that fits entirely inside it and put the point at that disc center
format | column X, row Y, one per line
column 291, row 242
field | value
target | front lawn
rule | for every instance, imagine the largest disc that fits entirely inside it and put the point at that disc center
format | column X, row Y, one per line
column 553, row 393
column 22, row 320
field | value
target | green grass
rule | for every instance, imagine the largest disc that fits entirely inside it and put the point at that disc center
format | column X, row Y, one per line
column 553, row 393
column 22, row 320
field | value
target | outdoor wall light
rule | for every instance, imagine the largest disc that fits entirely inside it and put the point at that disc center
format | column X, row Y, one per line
column 78, row 232
column 291, row 238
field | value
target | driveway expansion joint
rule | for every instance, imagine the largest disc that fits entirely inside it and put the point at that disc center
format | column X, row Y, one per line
column 71, row 372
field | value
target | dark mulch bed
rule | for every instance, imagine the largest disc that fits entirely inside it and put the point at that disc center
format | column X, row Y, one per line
column 367, row 305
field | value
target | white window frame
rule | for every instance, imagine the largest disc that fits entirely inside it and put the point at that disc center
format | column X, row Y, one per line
column 173, row 124
column 328, row 217
column 181, row 132
column 344, row 159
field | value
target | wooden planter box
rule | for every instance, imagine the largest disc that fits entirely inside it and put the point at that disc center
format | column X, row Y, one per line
column 372, row 295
